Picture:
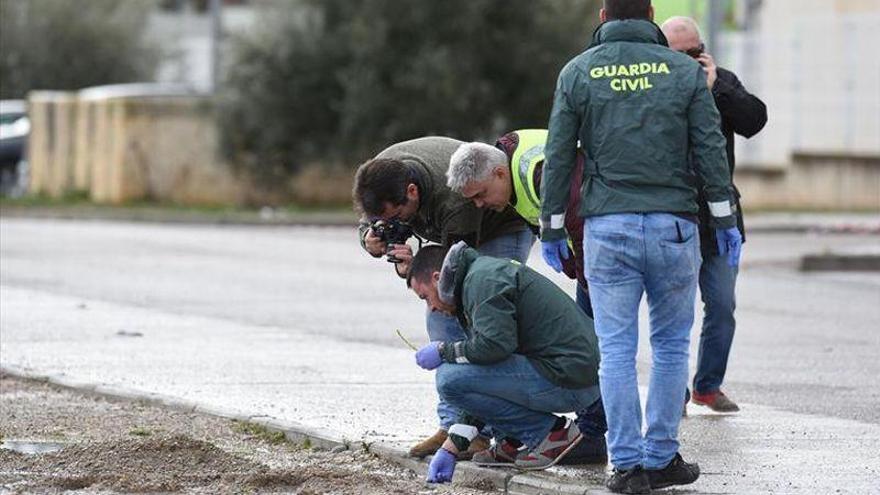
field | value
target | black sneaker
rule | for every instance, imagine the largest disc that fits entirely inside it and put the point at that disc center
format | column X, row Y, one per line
column 590, row 450
column 632, row 481
column 677, row 472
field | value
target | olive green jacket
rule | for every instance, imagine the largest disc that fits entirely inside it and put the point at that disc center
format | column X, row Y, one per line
column 639, row 110
column 444, row 216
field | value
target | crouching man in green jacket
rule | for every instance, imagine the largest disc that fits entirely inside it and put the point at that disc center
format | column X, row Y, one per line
column 529, row 352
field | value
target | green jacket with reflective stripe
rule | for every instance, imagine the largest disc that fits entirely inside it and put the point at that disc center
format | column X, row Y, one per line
column 639, row 110
column 506, row 307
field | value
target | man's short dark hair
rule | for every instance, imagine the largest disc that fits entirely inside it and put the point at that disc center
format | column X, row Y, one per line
column 380, row 181
column 428, row 260
column 627, row 9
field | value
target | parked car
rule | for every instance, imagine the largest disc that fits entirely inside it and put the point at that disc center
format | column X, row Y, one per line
column 14, row 130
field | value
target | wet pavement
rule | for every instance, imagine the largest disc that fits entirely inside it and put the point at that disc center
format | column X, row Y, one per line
column 297, row 323
column 31, row 446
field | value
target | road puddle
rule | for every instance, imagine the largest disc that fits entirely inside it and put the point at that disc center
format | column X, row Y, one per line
column 31, row 446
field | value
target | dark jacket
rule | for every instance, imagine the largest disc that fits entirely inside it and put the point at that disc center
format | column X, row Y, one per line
column 446, row 217
column 506, row 307
column 640, row 112
column 741, row 113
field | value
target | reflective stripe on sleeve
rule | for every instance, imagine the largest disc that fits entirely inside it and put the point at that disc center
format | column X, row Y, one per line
column 466, row 431
column 720, row 209
column 556, row 222
column 459, row 354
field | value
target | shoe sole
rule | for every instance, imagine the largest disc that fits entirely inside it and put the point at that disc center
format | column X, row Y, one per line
column 583, row 461
column 496, row 464
column 706, row 404
column 668, row 484
column 646, row 491
column 555, row 461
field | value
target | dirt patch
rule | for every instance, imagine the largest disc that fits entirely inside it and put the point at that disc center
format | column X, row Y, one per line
column 125, row 447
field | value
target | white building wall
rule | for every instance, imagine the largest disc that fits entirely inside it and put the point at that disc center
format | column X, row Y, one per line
column 815, row 63
column 187, row 37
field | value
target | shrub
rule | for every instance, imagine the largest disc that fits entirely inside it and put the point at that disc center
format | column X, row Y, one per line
column 64, row 44
column 335, row 81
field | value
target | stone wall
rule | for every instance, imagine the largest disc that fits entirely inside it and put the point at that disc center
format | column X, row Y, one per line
column 813, row 181
column 128, row 143
column 123, row 144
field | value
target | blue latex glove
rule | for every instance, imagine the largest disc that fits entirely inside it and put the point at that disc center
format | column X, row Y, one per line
column 442, row 467
column 428, row 357
column 730, row 243
column 554, row 252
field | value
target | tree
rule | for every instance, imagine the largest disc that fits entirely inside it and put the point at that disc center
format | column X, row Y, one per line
column 337, row 80
column 63, row 44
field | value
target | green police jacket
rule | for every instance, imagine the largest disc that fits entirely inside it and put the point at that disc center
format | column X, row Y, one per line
column 639, row 110
column 506, row 307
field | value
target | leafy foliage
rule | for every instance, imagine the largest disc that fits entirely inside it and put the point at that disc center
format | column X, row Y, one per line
column 61, row 44
column 330, row 81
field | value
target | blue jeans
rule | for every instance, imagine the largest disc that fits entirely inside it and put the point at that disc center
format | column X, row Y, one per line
column 717, row 286
column 443, row 327
column 628, row 255
column 511, row 397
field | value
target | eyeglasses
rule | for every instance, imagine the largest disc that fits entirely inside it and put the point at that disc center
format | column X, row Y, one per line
column 694, row 52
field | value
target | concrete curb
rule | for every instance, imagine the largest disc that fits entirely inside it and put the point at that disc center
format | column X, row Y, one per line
column 814, row 228
column 840, row 262
column 510, row 482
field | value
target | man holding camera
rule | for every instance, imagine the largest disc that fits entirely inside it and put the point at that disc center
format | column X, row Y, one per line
column 406, row 185
column 743, row 114
column 528, row 352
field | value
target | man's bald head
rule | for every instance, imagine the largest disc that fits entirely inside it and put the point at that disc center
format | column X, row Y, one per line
column 683, row 33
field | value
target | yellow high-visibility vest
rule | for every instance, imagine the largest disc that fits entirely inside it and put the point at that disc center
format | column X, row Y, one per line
column 529, row 152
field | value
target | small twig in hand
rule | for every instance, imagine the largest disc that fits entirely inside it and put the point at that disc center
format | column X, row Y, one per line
column 407, row 342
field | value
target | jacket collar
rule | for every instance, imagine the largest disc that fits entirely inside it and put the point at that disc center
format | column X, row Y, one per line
column 634, row 30
column 508, row 143
column 422, row 179
column 455, row 266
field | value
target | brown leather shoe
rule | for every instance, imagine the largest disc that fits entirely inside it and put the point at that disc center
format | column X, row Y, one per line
column 479, row 444
column 429, row 445
column 715, row 401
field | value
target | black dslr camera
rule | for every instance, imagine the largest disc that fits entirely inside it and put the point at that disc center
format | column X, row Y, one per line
column 391, row 232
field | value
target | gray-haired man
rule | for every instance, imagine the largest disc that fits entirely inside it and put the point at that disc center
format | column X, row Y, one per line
column 509, row 174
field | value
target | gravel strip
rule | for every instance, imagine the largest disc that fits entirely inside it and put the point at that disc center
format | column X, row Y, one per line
column 111, row 447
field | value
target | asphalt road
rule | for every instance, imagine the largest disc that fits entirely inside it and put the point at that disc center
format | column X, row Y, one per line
column 806, row 343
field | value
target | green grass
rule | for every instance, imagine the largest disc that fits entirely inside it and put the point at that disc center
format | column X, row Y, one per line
column 82, row 199
column 70, row 199
column 259, row 431
column 80, row 205
column 140, row 431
